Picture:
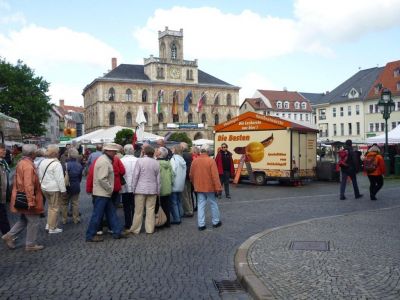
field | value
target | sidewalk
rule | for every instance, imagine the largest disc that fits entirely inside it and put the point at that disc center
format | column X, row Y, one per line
column 363, row 260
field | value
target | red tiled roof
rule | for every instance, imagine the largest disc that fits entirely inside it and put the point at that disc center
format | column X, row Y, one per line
column 68, row 108
column 387, row 80
column 256, row 103
column 291, row 97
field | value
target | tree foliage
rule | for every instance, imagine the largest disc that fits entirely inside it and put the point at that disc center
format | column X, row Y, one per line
column 23, row 96
column 123, row 137
column 180, row 137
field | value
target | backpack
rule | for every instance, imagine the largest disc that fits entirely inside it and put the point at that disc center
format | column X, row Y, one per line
column 370, row 163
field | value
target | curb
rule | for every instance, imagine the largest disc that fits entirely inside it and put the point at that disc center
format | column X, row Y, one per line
column 245, row 274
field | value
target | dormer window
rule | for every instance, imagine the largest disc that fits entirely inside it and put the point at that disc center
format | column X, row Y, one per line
column 286, row 105
column 398, row 85
column 174, row 52
column 377, row 88
column 303, row 105
column 353, row 94
column 396, row 72
column 279, row 104
column 297, row 105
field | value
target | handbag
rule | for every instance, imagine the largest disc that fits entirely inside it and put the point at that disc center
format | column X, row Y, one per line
column 161, row 217
column 66, row 176
column 21, row 202
column 123, row 181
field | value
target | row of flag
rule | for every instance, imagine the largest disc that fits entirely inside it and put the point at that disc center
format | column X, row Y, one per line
column 186, row 102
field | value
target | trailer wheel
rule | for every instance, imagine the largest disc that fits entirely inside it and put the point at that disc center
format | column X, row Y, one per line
column 259, row 178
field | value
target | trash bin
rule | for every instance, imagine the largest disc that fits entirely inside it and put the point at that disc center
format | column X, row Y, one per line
column 397, row 165
column 326, row 170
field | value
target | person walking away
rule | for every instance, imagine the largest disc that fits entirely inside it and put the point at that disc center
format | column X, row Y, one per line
column 26, row 180
column 166, row 179
column 74, row 169
column 103, row 186
column 374, row 166
column 51, row 176
column 178, row 165
column 128, row 199
column 205, row 178
column 187, row 201
column 4, row 190
column 349, row 169
column 225, row 167
column 146, row 187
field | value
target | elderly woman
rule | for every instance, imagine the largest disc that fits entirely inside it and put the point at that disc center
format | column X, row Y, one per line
column 179, row 169
column 74, row 169
column 27, row 182
column 128, row 200
column 51, row 176
column 166, row 178
column 146, row 187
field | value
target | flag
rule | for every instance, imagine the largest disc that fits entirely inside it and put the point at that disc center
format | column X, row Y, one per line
column 214, row 107
column 157, row 104
column 201, row 101
column 175, row 103
column 188, row 99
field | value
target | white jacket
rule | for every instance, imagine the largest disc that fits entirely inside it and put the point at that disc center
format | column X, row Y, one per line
column 53, row 180
column 129, row 162
column 179, row 168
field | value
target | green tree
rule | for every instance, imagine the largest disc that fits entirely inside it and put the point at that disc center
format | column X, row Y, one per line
column 180, row 137
column 23, row 96
column 124, row 136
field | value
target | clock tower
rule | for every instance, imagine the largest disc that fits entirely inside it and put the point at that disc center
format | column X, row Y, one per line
column 170, row 65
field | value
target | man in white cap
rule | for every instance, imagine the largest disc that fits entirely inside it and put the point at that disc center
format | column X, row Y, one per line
column 103, row 185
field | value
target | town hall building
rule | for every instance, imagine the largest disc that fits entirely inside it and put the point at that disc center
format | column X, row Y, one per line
column 174, row 94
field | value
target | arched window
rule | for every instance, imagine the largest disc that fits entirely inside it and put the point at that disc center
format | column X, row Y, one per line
column 128, row 95
column 216, row 100
column 203, row 118
column 144, row 96
column 146, row 117
column 128, row 119
column 296, row 105
column 279, row 104
column 175, row 118
column 303, row 105
column 174, row 52
column 160, row 118
column 228, row 117
column 112, row 118
column 286, row 104
column 111, row 94
column 190, row 118
column 216, row 119
column 229, row 100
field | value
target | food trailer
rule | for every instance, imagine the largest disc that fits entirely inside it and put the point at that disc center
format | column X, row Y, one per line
column 269, row 148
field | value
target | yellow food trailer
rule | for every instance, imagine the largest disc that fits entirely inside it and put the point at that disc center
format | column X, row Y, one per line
column 269, row 148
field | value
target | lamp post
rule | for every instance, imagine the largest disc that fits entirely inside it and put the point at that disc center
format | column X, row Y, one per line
column 386, row 106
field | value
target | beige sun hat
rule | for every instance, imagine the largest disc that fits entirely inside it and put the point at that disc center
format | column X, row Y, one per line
column 112, row 147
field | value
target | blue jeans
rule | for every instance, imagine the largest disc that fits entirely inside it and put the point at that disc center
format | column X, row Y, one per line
column 101, row 206
column 176, row 207
column 201, row 207
column 344, row 181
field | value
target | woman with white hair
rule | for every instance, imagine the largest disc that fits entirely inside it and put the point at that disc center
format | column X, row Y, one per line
column 74, row 169
column 26, row 182
column 179, row 169
column 128, row 199
column 51, row 176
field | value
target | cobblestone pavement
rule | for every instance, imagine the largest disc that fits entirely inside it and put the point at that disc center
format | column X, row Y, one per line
column 175, row 263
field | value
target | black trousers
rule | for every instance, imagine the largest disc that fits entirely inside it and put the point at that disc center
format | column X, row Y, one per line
column 128, row 201
column 4, row 224
column 375, row 184
column 224, row 178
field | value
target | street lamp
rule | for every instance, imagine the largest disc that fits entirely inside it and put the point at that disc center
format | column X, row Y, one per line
column 386, row 106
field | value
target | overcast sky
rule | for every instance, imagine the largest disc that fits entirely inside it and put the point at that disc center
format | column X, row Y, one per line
column 302, row 45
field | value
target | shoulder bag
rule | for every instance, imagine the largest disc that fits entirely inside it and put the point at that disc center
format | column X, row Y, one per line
column 161, row 217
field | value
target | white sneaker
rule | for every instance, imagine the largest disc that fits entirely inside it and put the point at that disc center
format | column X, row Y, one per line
column 47, row 227
column 57, row 230
column 99, row 232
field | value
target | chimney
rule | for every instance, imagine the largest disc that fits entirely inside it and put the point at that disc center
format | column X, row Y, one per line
column 61, row 103
column 113, row 63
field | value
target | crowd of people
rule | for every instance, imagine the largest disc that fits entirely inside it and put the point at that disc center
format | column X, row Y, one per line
column 177, row 181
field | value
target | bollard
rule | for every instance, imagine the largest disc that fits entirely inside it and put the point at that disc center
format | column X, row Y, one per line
column 397, row 165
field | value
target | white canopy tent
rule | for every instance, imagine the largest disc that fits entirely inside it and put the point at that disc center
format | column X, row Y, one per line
column 393, row 137
column 108, row 136
column 200, row 142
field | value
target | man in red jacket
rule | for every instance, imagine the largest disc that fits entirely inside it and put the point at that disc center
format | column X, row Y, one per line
column 225, row 167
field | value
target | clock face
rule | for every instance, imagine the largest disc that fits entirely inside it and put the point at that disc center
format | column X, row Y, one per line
column 175, row 73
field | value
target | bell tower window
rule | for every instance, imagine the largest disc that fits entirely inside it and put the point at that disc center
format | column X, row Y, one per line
column 174, row 52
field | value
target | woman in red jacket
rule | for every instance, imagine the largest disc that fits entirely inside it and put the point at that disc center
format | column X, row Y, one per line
column 374, row 166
